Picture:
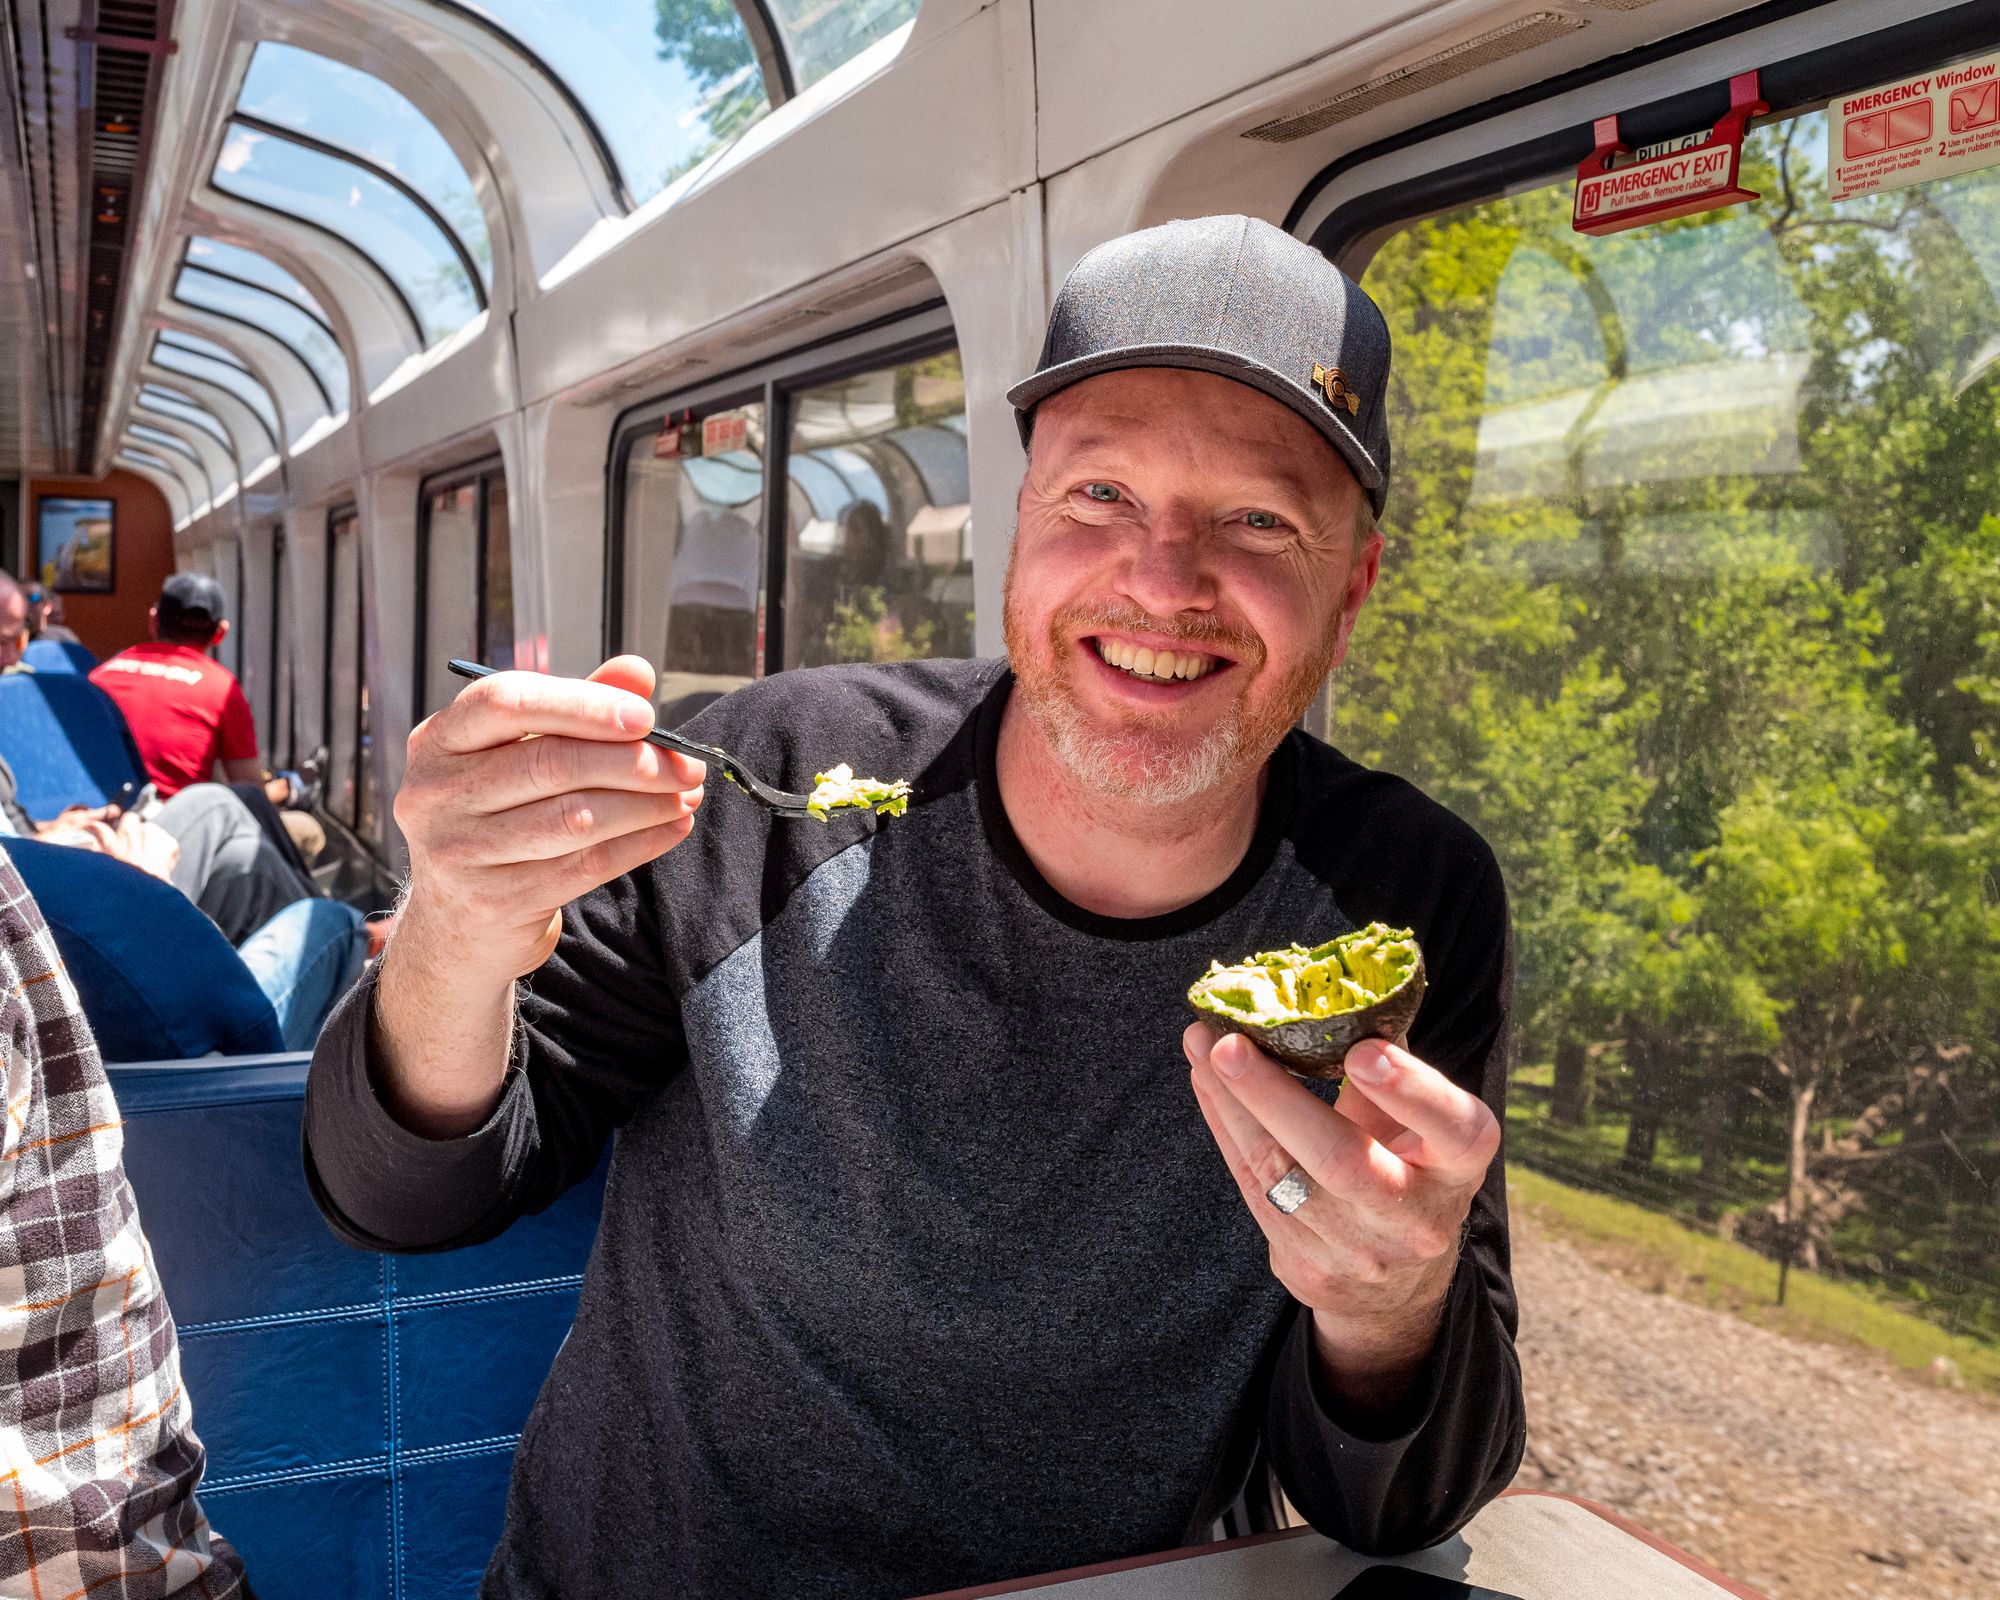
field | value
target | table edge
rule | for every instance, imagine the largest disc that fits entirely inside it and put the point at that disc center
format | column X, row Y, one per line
column 1624, row 1524
column 986, row 1591
column 1645, row 1536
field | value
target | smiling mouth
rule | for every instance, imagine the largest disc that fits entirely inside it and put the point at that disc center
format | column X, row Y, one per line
column 1157, row 666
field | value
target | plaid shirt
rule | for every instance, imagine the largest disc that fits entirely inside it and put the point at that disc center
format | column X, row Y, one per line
column 98, row 1457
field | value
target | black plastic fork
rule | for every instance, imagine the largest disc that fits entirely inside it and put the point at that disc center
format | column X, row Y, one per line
column 780, row 802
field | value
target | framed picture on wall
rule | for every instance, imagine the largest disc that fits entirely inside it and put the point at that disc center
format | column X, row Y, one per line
column 76, row 545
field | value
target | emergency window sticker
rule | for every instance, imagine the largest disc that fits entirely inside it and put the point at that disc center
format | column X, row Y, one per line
column 1936, row 124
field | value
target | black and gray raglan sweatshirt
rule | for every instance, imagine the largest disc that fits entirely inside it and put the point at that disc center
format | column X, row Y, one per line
column 919, row 1267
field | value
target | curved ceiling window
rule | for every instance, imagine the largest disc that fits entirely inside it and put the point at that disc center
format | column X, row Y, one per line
column 167, row 403
column 304, row 333
column 196, row 357
column 820, row 35
column 362, row 116
column 380, row 214
column 246, row 266
column 665, row 83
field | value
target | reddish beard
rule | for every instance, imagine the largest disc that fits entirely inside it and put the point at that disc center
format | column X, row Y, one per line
column 1148, row 756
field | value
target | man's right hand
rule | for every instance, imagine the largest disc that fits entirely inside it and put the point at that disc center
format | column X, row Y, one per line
column 524, row 793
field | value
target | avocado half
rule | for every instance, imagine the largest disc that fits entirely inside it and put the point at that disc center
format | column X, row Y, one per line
column 1308, row 1008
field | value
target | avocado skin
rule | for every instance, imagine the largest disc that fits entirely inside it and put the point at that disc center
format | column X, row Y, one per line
column 1316, row 1047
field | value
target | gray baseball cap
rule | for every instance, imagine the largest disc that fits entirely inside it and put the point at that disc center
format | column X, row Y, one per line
column 1237, row 297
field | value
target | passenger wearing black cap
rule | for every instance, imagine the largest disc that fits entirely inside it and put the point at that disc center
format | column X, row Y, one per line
column 185, row 708
column 937, row 1250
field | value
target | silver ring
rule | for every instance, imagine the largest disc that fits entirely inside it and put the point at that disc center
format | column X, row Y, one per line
column 1290, row 1192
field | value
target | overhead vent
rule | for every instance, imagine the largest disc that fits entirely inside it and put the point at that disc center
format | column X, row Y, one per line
column 129, row 46
column 1524, row 33
column 1619, row 5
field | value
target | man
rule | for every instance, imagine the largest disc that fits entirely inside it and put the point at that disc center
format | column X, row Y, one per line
column 98, row 1455
column 14, row 622
column 186, row 709
column 919, row 1268
column 45, row 616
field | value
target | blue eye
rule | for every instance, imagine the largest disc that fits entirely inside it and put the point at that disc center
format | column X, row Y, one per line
column 1261, row 519
column 1106, row 492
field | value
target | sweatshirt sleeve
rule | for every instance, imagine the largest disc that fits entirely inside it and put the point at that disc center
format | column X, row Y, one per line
column 1458, row 1440
column 596, row 1035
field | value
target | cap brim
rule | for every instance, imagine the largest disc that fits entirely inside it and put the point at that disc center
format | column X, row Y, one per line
column 1031, row 392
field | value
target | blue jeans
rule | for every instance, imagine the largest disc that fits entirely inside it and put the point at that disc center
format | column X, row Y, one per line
column 303, row 959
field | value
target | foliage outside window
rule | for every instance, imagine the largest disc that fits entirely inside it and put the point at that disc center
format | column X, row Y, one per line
column 1689, row 607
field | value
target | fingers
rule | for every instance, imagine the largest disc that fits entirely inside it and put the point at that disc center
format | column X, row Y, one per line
column 566, row 878
column 511, row 705
column 1450, row 1132
column 1293, row 1126
column 633, row 674
column 562, row 825
column 531, row 769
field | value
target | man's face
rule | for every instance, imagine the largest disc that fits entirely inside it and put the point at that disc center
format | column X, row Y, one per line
column 1180, row 521
column 13, row 623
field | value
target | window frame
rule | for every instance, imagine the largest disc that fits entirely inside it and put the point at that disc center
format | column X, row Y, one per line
column 479, row 473
column 912, row 335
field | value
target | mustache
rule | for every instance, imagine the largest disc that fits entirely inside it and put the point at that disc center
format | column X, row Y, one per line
column 1195, row 628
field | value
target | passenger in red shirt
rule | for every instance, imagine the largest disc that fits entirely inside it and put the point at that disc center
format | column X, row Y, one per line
column 186, row 710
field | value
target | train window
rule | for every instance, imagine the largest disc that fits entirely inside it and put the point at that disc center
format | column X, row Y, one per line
column 820, row 37
column 694, row 558
column 168, row 403
column 301, row 332
column 363, row 116
column 467, row 598
column 879, row 546
column 195, row 357
column 1687, row 606
column 350, row 791
column 279, row 732
column 247, row 266
column 666, row 83
column 367, row 208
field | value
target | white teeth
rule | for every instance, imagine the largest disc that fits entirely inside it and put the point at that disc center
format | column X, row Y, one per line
column 1162, row 665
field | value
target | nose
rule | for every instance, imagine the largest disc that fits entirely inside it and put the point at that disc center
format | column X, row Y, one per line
column 1166, row 572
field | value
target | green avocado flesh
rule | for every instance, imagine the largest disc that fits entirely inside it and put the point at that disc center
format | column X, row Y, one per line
column 1275, row 987
column 840, row 790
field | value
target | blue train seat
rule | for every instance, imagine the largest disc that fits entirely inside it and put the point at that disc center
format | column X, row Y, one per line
column 58, row 655
column 360, row 1411
column 157, row 979
column 67, row 742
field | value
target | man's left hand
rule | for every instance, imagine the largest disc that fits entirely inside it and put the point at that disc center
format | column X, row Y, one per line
column 1393, row 1165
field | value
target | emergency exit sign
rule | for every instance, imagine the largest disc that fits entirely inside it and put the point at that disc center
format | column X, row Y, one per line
column 1932, row 125
column 1618, row 187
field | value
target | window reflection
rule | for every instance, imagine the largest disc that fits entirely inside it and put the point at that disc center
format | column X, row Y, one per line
column 879, row 518
column 693, row 564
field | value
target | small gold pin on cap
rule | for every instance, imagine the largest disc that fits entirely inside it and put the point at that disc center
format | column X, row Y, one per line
column 1337, row 392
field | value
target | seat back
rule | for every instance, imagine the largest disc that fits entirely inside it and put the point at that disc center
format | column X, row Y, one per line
column 58, row 655
column 157, row 979
column 67, row 742
column 360, row 1411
